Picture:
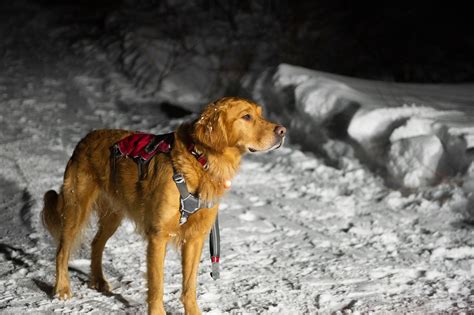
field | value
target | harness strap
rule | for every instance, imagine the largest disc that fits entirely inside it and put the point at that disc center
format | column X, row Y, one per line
column 189, row 203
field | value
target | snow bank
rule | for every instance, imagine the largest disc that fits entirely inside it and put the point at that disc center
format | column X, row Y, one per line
column 415, row 160
column 322, row 98
column 419, row 134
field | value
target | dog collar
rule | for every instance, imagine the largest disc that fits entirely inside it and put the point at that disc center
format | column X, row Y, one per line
column 200, row 157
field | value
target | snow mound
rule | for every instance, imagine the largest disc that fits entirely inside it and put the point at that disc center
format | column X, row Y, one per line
column 371, row 127
column 322, row 98
column 418, row 134
column 414, row 161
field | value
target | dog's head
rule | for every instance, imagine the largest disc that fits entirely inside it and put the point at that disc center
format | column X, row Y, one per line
column 236, row 122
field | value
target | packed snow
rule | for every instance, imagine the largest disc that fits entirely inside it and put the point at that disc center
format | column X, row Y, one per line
column 378, row 219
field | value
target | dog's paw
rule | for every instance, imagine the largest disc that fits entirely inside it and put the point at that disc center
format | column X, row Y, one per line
column 194, row 311
column 100, row 285
column 63, row 293
column 190, row 306
column 156, row 309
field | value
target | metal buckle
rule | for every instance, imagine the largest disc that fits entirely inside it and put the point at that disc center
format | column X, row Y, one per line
column 178, row 178
column 190, row 204
column 215, row 273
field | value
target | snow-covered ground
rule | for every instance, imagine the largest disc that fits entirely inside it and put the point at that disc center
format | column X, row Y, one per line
column 302, row 233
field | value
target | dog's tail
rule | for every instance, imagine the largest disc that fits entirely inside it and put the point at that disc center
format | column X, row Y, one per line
column 52, row 213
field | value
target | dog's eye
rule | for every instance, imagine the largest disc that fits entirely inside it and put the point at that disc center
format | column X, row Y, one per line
column 247, row 117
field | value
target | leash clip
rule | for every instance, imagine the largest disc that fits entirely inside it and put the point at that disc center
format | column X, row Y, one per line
column 215, row 272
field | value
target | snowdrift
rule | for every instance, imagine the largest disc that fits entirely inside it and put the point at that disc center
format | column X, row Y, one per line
column 417, row 134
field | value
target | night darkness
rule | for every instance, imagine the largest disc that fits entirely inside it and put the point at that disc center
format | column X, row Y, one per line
column 368, row 207
column 398, row 41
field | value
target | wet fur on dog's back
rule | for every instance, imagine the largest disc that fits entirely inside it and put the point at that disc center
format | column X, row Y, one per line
column 226, row 130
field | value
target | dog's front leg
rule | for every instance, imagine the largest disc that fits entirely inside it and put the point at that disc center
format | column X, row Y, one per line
column 191, row 255
column 155, row 267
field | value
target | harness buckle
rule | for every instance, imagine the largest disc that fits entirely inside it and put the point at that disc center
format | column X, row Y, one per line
column 190, row 204
column 178, row 178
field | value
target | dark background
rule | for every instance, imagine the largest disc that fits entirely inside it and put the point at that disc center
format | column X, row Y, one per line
column 397, row 41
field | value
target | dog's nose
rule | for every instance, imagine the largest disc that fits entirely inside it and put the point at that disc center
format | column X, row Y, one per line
column 280, row 131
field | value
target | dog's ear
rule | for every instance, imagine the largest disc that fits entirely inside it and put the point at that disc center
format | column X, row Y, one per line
column 210, row 129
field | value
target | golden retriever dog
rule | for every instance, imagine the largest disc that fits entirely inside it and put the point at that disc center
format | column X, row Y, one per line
column 226, row 130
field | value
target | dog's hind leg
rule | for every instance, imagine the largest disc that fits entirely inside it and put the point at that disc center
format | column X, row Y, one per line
column 78, row 194
column 109, row 221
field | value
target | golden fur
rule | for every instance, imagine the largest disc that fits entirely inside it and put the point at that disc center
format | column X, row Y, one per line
column 223, row 133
